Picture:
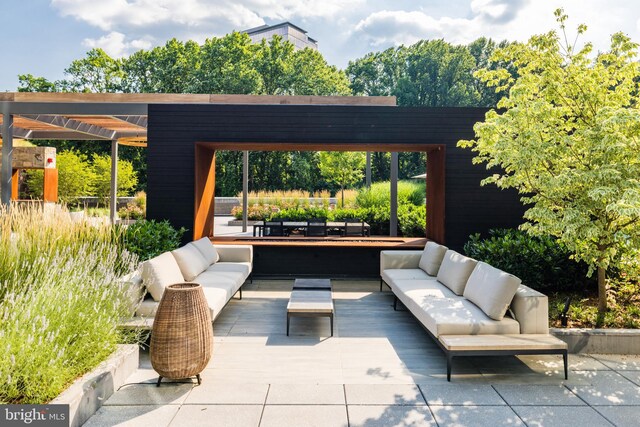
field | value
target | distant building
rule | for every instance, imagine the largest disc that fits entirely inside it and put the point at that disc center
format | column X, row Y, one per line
column 296, row 35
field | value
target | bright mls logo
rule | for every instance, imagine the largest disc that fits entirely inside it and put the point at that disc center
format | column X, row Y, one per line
column 34, row 415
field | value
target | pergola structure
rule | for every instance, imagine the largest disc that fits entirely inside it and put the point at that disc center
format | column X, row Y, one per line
column 120, row 119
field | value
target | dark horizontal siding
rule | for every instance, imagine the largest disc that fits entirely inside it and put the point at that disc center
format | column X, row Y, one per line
column 174, row 129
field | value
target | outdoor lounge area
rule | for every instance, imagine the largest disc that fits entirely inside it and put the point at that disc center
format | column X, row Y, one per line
column 379, row 369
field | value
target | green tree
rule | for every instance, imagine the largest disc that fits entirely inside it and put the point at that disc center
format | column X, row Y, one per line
column 377, row 73
column 76, row 177
column 437, row 74
column 127, row 178
column 344, row 168
column 566, row 137
column 311, row 75
column 227, row 66
column 30, row 83
column 97, row 72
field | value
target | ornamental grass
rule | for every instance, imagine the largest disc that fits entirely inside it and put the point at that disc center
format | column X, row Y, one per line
column 60, row 300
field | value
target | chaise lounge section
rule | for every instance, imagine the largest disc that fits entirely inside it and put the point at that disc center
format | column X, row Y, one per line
column 467, row 306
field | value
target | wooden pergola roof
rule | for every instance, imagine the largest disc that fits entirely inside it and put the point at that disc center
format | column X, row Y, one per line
column 123, row 117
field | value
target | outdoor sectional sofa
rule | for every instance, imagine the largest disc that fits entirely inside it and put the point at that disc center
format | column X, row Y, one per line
column 467, row 306
column 220, row 269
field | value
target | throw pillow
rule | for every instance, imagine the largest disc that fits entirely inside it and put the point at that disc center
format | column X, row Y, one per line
column 190, row 261
column 432, row 258
column 455, row 271
column 160, row 272
column 207, row 250
column 492, row 290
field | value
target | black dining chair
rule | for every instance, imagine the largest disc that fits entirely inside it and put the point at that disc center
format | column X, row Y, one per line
column 274, row 228
column 353, row 227
column 316, row 227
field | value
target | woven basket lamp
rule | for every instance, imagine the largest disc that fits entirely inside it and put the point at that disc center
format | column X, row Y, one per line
column 182, row 336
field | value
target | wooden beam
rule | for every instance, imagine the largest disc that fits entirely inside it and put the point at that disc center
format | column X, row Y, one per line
column 179, row 98
column 436, row 195
column 205, row 185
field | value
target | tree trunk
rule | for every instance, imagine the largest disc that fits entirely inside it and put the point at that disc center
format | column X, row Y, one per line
column 602, row 296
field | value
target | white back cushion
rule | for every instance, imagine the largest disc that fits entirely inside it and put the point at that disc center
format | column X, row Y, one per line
column 432, row 258
column 207, row 250
column 455, row 271
column 160, row 272
column 491, row 290
column 190, row 261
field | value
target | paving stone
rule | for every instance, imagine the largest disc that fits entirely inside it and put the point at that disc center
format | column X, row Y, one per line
column 217, row 415
column 561, row 416
column 633, row 376
column 390, row 416
column 543, row 395
column 149, row 394
column 620, row 362
column 461, row 394
column 607, row 388
column 306, row 394
column 304, row 416
column 215, row 393
column 621, row 416
column 476, row 416
column 383, row 394
column 134, row 416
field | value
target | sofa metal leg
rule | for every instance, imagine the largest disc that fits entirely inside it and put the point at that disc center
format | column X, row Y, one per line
column 381, row 285
column 331, row 319
column 288, row 321
column 449, row 360
column 240, row 292
column 395, row 303
column 566, row 363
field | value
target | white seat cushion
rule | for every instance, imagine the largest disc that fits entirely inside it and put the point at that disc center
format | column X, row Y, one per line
column 491, row 289
column 416, row 289
column 216, row 299
column 432, row 258
column 160, row 272
column 394, row 274
column 190, row 261
column 457, row 316
column 243, row 268
column 147, row 308
column 207, row 250
column 455, row 271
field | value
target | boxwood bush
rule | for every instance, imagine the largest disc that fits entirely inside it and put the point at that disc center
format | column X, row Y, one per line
column 541, row 262
column 148, row 239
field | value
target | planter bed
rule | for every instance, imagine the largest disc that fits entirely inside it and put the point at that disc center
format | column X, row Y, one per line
column 599, row 341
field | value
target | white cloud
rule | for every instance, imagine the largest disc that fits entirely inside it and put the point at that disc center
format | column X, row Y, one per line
column 115, row 45
column 500, row 19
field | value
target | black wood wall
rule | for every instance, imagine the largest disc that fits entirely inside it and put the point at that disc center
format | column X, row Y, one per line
column 174, row 128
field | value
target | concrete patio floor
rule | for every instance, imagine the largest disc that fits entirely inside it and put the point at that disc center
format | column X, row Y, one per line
column 379, row 369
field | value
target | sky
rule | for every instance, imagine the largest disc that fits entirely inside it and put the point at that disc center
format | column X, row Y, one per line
column 42, row 37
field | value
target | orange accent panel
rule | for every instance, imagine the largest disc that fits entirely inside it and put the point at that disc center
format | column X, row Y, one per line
column 435, row 195
column 205, row 184
column 50, row 190
column 15, row 182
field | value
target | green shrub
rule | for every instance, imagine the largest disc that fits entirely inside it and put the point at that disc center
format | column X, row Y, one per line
column 301, row 214
column 148, row 239
column 127, row 177
column 541, row 262
column 255, row 213
column 409, row 192
column 136, row 209
column 76, row 178
column 61, row 299
column 412, row 220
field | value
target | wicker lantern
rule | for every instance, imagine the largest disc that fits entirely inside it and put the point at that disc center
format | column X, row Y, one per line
column 182, row 336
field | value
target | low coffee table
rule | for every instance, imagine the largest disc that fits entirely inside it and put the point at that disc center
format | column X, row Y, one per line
column 310, row 298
